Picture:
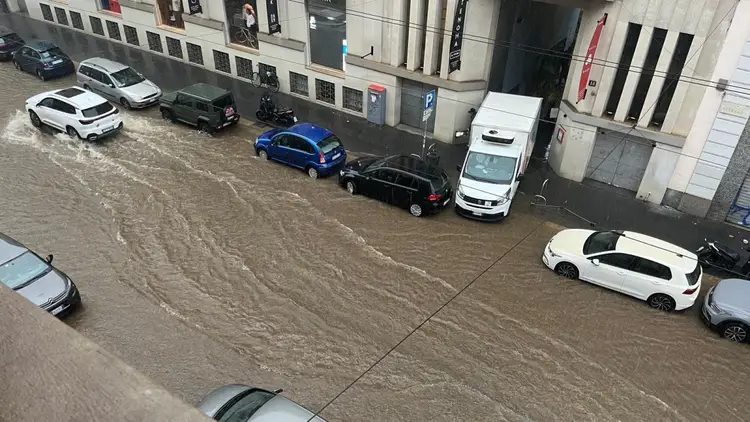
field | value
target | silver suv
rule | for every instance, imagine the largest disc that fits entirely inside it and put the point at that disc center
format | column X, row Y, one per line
column 117, row 82
column 726, row 308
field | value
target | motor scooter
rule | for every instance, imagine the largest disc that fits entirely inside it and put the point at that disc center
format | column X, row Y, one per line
column 722, row 257
column 267, row 112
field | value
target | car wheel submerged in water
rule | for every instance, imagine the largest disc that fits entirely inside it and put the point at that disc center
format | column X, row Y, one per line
column 35, row 120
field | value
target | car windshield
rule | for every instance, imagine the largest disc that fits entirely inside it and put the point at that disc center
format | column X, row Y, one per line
column 223, row 102
column 601, row 242
column 98, row 110
column 244, row 409
column 10, row 39
column 22, row 269
column 693, row 277
column 52, row 52
column 127, row 77
column 329, row 144
column 490, row 168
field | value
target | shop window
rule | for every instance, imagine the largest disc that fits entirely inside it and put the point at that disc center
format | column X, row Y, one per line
column 325, row 91
column 154, row 42
column 76, row 20
column 114, row 30
column 327, row 27
column 244, row 67
column 679, row 57
column 195, row 53
column 353, row 99
column 110, row 5
column 298, row 84
column 96, row 25
column 62, row 17
column 265, row 69
column 241, row 14
column 170, row 13
column 131, row 35
column 46, row 12
column 221, row 61
column 174, row 47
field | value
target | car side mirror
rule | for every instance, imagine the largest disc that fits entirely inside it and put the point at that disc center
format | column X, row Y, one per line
column 519, row 177
column 278, row 391
column 49, row 258
column 111, row 85
column 595, row 262
column 458, row 168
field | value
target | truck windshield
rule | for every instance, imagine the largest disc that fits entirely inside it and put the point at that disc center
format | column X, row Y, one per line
column 490, row 168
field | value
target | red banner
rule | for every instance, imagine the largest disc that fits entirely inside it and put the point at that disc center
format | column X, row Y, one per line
column 589, row 60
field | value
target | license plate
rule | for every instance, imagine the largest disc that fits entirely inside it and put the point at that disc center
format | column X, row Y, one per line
column 477, row 213
column 336, row 156
column 57, row 310
column 57, row 62
column 108, row 128
column 446, row 202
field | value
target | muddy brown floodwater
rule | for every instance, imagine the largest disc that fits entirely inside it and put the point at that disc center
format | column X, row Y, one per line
column 200, row 265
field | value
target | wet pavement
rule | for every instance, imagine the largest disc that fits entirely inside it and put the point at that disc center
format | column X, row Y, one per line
column 201, row 265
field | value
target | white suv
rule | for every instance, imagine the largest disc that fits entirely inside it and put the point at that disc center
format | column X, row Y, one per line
column 666, row 276
column 77, row 112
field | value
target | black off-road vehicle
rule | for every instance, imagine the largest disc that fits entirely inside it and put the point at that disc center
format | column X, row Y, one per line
column 205, row 106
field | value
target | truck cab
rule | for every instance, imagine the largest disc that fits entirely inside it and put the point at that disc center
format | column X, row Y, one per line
column 500, row 146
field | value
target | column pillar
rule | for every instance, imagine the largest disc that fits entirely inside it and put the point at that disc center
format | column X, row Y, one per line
column 435, row 31
column 415, row 48
column 639, row 57
column 657, row 82
column 604, row 86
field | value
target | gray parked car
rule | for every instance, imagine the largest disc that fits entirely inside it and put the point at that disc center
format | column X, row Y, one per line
column 726, row 308
column 117, row 82
column 36, row 279
column 240, row 403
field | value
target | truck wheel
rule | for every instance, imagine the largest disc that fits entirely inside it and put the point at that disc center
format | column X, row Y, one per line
column 166, row 114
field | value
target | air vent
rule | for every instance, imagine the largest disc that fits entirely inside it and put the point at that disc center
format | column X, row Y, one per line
column 492, row 135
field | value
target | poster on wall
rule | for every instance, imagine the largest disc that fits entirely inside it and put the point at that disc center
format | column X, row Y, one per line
column 194, row 6
column 272, row 8
column 457, row 36
column 589, row 60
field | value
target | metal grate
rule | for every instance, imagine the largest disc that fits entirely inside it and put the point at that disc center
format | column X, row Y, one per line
column 96, row 25
column 244, row 67
column 76, row 20
column 114, row 30
column 263, row 69
column 221, row 61
column 325, row 91
column 298, row 83
column 131, row 35
column 174, row 47
column 195, row 53
column 62, row 17
column 154, row 42
column 353, row 99
column 46, row 12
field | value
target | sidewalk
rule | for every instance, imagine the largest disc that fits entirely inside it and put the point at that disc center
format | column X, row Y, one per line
column 604, row 206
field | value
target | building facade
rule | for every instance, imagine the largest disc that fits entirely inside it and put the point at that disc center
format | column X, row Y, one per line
column 662, row 109
column 327, row 51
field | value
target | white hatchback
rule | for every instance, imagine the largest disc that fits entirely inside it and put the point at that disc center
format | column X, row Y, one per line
column 77, row 112
column 666, row 276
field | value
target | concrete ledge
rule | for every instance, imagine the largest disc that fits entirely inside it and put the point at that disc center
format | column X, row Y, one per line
column 416, row 76
column 52, row 373
column 282, row 42
column 208, row 23
column 587, row 119
column 131, row 4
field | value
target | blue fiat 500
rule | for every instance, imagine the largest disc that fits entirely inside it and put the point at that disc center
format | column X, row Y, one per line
column 312, row 148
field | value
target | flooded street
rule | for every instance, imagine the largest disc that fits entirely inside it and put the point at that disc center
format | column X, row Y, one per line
column 200, row 265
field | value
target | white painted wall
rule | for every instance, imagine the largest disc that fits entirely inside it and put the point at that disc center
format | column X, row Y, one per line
column 712, row 137
column 658, row 173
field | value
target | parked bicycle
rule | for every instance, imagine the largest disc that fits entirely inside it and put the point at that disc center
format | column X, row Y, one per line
column 267, row 79
column 242, row 33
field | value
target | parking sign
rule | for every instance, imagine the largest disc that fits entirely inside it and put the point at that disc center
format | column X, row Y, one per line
column 429, row 105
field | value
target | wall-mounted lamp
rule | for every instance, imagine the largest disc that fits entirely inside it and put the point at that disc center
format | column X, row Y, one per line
column 372, row 51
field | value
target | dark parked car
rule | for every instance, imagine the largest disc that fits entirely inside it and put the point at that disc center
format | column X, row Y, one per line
column 10, row 42
column 36, row 279
column 44, row 59
column 240, row 403
column 306, row 146
column 205, row 106
column 405, row 181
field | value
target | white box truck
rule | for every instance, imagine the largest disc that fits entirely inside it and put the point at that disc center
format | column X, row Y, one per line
column 501, row 141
